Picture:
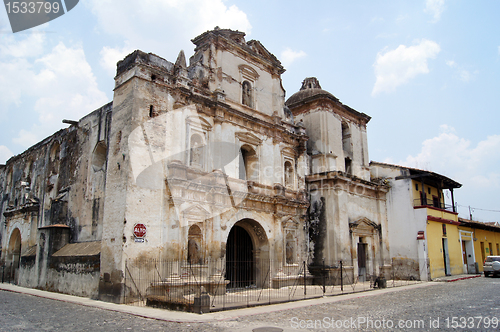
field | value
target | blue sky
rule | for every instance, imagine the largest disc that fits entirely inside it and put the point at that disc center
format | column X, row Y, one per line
column 427, row 72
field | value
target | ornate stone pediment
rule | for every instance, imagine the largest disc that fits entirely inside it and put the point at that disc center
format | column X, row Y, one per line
column 195, row 213
column 257, row 47
column 248, row 72
column 198, row 121
column 248, row 138
column 364, row 227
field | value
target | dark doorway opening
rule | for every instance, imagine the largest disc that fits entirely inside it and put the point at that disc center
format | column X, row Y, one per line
column 446, row 258
column 239, row 258
column 362, row 261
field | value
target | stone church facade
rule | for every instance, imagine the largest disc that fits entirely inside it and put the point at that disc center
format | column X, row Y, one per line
column 202, row 164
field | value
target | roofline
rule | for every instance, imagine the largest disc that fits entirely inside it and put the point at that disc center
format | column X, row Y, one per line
column 478, row 224
column 327, row 95
column 452, row 184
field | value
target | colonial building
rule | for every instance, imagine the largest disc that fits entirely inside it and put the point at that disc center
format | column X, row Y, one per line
column 424, row 232
column 347, row 219
column 202, row 164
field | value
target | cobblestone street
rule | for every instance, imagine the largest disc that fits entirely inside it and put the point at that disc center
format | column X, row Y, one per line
column 430, row 306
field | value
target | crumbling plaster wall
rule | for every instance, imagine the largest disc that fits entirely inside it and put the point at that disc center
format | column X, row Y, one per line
column 48, row 186
column 404, row 221
column 3, row 203
column 86, row 199
column 324, row 128
column 268, row 93
column 342, row 206
column 154, row 111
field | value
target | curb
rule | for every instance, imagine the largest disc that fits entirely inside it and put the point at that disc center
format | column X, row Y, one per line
column 463, row 278
column 184, row 317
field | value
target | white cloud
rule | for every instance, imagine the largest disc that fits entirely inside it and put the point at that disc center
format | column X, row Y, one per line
column 397, row 67
column 453, row 156
column 164, row 27
column 110, row 56
column 475, row 167
column 434, row 8
column 31, row 46
column 462, row 74
column 5, row 154
column 288, row 56
column 56, row 85
column 66, row 89
column 15, row 67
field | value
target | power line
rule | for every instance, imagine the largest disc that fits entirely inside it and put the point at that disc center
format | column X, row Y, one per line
column 473, row 208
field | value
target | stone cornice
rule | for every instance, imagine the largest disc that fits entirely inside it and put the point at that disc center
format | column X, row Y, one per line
column 341, row 181
column 9, row 213
column 325, row 104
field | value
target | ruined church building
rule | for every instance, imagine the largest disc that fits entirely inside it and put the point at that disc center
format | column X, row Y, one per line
column 205, row 164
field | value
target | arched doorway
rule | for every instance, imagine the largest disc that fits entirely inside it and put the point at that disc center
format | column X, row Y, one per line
column 247, row 255
column 239, row 258
column 14, row 255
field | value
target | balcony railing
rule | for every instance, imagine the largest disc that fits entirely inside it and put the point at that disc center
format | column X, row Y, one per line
column 432, row 203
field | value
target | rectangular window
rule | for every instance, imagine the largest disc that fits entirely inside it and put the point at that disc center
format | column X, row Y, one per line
column 435, row 201
column 416, row 186
column 429, row 190
column 444, row 229
column 348, row 167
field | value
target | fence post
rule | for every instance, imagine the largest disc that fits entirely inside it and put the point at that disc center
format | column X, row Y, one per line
column 392, row 267
column 125, row 284
column 324, row 272
column 305, row 291
column 341, row 277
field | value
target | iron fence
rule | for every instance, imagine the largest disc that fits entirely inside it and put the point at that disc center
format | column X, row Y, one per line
column 9, row 273
column 219, row 285
column 432, row 203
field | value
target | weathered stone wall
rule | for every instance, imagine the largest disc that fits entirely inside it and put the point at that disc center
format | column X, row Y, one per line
column 50, row 197
column 156, row 177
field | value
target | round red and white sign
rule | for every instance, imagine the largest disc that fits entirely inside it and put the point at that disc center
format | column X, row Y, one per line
column 139, row 230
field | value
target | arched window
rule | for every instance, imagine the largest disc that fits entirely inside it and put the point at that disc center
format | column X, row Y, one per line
column 196, row 153
column 249, row 166
column 194, row 254
column 9, row 180
column 346, row 138
column 54, row 159
column 347, row 147
column 99, row 156
column 27, row 172
column 288, row 174
column 247, row 95
column 289, row 249
column 13, row 258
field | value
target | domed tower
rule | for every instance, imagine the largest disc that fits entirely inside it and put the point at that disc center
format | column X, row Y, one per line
column 337, row 133
column 347, row 214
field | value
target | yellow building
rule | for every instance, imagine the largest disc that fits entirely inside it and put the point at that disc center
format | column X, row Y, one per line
column 423, row 230
column 444, row 247
column 485, row 238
